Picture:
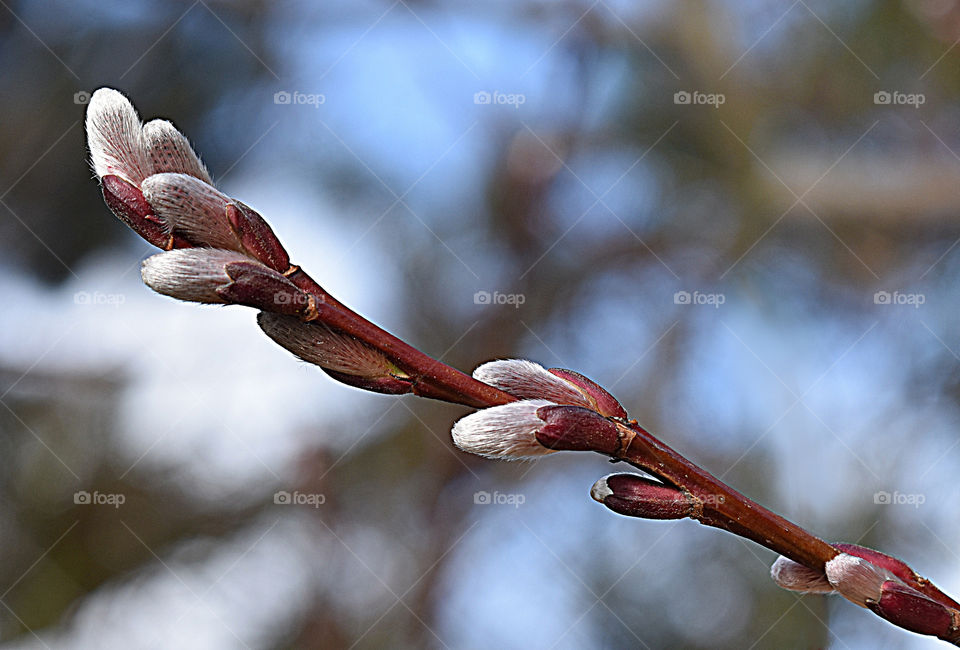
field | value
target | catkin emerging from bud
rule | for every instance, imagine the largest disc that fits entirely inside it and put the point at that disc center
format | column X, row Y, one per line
column 192, row 274
column 856, row 579
column 504, row 432
column 529, row 380
column 192, row 208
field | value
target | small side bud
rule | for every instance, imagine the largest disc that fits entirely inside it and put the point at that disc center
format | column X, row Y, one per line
column 345, row 358
column 636, row 496
column 911, row 610
column 794, row 576
column 256, row 236
column 254, row 285
column 114, row 137
column 856, row 579
column 193, row 274
column 505, row 432
column 169, row 151
column 574, row 428
column 191, row 208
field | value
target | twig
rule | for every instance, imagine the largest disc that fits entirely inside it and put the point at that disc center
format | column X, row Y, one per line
column 218, row 250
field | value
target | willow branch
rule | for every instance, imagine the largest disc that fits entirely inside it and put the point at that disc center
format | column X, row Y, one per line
column 221, row 251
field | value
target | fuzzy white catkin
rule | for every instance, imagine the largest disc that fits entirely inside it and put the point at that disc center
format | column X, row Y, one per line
column 797, row 577
column 115, row 138
column 169, row 151
column 193, row 208
column 191, row 274
column 120, row 145
column 505, row 432
column 856, row 579
column 529, row 380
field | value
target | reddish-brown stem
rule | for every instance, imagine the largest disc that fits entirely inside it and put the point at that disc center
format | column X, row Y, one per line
column 719, row 505
column 432, row 378
column 722, row 506
column 920, row 607
column 710, row 501
column 687, row 490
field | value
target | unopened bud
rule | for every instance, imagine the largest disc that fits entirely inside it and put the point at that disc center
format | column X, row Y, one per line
column 169, row 151
column 911, row 610
column 114, row 137
column 856, row 579
column 255, row 285
column 504, row 432
column 256, row 237
column 574, row 428
column 348, row 359
column 636, row 496
column 192, row 208
column 798, row 577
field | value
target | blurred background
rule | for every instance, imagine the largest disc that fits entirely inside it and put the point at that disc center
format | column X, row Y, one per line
column 741, row 218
